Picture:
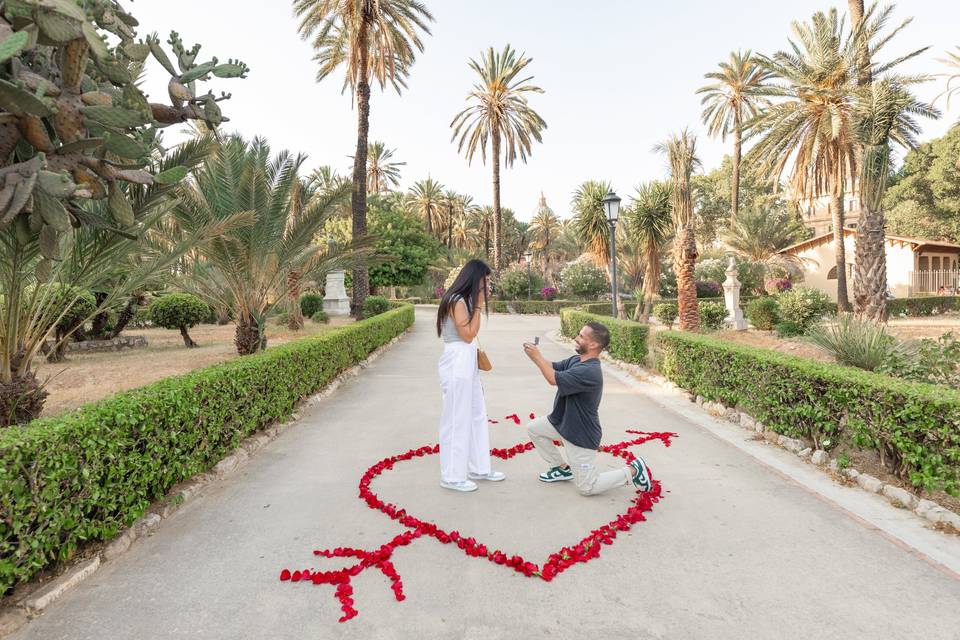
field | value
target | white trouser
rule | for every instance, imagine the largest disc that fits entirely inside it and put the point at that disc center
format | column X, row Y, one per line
column 583, row 462
column 464, row 432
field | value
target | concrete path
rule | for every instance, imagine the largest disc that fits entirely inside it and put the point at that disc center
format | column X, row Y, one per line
column 734, row 550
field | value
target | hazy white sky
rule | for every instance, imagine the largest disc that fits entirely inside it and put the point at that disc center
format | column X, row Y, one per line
column 618, row 75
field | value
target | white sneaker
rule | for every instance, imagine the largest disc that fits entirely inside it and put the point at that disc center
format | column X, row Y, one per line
column 493, row 476
column 463, row 485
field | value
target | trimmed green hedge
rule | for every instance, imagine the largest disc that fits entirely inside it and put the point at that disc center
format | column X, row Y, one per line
column 628, row 339
column 922, row 306
column 915, row 426
column 541, row 307
column 85, row 475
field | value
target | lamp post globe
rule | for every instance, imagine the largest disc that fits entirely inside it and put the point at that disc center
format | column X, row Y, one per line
column 611, row 207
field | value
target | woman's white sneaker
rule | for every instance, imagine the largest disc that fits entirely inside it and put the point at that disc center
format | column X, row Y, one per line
column 493, row 476
column 463, row 485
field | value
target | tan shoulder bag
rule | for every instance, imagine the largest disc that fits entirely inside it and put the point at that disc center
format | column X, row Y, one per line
column 483, row 362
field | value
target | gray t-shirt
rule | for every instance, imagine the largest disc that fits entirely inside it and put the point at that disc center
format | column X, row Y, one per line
column 575, row 409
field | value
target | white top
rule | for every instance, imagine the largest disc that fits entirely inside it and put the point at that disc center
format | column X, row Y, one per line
column 449, row 333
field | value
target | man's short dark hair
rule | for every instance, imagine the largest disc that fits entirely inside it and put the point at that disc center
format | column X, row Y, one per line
column 600, row 334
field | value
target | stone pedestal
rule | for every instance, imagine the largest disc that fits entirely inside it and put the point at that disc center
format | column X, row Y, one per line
column 336, row 302
column 731, row 298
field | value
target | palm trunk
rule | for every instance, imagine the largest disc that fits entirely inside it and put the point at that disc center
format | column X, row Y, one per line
column 126, row 315
column 21, row 399
column 686, row 257
column 294, row 315
column 735, row 187
column 358, row 200
column 870, row 278
column 248, row 338
column 651, row 282
column 836, row 209
column 99, row 326
column 497, row 222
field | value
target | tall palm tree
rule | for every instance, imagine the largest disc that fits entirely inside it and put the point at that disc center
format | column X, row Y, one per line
column 383, row 172
column 426, row 200
column 681, row 152
column 590, row 220
column 544, row 229
column 484, row 223
column 246, row 269
column 648, row 225
column 883, row 114
column 499, row 113
column 373, row 39
column 812, row 128
column 451, row 210
column 734, row 97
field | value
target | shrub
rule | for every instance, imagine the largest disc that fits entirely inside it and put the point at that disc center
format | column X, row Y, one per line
column 923, row 306
column 916, row 426
column 310, row 303
column 712, row 315
column 628, row 339
column 778, row 285
column 583, row 280
column 548, row 293
column 715, row 270
column 540, row 307
column 666, row 312
column 374, row 306
column 856, row 343
column 179, row 311
column 85, row 475
column 763, row 313
column 320, row 317
column 927, row 360
column 514, row 283
column 439, row 291
column 787, row 329
column 803, row 306
column 451, row 277
column 706, row 289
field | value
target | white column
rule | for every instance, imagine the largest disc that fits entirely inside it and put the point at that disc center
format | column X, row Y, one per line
column 731, row 297
column 336, row 302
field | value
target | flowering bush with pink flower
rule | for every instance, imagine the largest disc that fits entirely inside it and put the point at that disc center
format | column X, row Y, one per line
column 548, row 293
column 778, row 285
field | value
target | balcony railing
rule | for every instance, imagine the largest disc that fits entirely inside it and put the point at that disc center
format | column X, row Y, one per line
column 934, row 282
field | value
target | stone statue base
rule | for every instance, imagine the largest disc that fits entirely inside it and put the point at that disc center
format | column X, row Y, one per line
column 336, row 302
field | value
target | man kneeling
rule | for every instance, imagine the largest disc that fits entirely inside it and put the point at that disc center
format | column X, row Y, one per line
column 575, row 419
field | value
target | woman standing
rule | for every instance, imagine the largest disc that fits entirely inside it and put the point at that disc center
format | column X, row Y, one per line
column 464, row 435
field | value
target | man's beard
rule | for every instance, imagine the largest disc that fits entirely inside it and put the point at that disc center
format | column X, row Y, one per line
column 579, row 349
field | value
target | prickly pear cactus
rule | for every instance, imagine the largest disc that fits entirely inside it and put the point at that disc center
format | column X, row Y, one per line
column 73, row 124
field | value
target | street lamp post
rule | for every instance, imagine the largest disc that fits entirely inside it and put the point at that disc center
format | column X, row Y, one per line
column 611, row 205
column 528, row 256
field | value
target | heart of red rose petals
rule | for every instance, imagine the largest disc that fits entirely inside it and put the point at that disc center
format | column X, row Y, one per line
column 587, row 549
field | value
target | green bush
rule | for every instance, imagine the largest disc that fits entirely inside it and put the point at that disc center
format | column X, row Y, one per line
column 513, row 284
column 803, row 306
column 916, row 426
column 535, row 307
column 583, row 280
column 310, row 303
column 374, row 306
column 857, row 343
column 320, row 317
column 80, row 304
column 712, row 315
column 763, row 313
column 922, row 306
column 787, row 329
column 85, row 475
column 178, row 311
column 628, row 339
column 666, row 312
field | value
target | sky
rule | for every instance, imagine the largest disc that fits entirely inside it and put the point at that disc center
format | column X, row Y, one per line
column 619, row 76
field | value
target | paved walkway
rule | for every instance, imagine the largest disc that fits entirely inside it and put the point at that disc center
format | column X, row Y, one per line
column 734, row 550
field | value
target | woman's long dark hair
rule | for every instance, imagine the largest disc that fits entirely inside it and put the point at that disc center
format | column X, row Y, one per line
column 466, row 286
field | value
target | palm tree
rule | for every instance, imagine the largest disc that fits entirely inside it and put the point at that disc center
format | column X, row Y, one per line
column 590, row 221
column 373, row 39
column 681, row 151
column 484, row 224
column 383, row 173
column 247, row 269
column 648, row 224
column 500, row 114
column 813, row 127
column 464, row 235
column 759, row 235
column 451, row 209
column 544, row 229
column 729, row 102
column 883, row 111
column 426, row 200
